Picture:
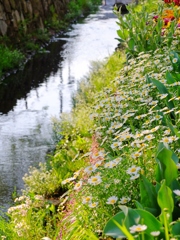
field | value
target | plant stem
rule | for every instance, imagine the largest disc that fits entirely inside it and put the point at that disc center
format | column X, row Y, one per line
column 166, row 226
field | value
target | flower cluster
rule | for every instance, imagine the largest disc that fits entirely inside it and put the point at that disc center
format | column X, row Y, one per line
column 176, row 2
column 168, row 16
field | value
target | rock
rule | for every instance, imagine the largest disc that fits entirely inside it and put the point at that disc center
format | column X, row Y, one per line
column 121, row 6
column 7, row 6
column 30, row 14
column 12, row 3
column 3, row 27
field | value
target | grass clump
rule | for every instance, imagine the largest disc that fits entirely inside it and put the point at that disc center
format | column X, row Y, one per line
column 9, row 59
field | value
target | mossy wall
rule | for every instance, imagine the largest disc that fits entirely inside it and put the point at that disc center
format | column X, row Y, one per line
column 27, row 15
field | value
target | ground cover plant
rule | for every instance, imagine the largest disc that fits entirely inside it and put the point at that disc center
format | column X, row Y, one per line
column 9, row 59
column 116, row 164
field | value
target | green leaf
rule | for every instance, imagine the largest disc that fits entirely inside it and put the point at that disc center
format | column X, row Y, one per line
column 165, row 199
column 172, row 128
column 123, row 34
column 131, row 44
column 170, row 79
column 176, row 229
column 176, row 76
column 138, row 205
column 149, row 220
column 120, row 34
column 111, row 229
column 149, row 196
column 163, row 90
column 129, row 217
column 166, row 168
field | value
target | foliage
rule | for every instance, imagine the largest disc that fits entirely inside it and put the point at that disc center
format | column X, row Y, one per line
column 6, row 229
column 160, row 199
column 9, row 59
column 41, row 181
column 132, row 115
column 100, row 76
column 32, row 217
column 79, row 7
column 142, row 30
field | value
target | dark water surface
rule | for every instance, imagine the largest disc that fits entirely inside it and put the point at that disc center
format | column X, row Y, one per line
column 30, row 98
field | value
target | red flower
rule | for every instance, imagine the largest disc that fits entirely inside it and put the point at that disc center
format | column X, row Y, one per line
column 168, row 1
column 166, row 20
column 177, row 2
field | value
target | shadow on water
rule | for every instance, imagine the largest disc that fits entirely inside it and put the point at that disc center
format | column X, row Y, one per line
column 25, row 134
column 36, row 71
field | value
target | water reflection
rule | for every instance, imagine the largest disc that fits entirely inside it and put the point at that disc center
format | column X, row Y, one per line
column 36, row 71
column 30, row 98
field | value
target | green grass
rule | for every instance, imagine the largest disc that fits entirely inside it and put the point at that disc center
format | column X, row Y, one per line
column 101, row 76
column 9, row 59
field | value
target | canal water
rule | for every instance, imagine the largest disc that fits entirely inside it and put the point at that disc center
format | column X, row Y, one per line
column 31, row 97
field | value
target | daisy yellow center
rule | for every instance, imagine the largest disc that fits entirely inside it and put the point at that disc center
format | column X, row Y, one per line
column 133, row 169
column 94, row 180
column 138, row 229
column 136, row 154
column 112, row 201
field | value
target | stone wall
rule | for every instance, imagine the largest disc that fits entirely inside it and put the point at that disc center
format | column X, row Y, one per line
column 28, row 14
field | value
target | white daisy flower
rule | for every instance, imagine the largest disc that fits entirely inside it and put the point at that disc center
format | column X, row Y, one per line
column 133, row 170
column 133, row 177
column 90, row 169
column 93, row 205
column 95, row 180
column 116, row 181
column 110, row 164
column 87, row 199
column 116, row 145
column 136, row 155
column 124, row 200
column 78, row 185
column 178, row 165
column 177, row 192
column 155, row 233
column 112, row 200
column 166, row 140
column 138, row 228
column 149, row 137
column 68, row 180
column 174, row 60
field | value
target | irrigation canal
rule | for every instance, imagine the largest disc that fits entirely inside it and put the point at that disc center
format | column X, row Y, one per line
column 42, row 90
